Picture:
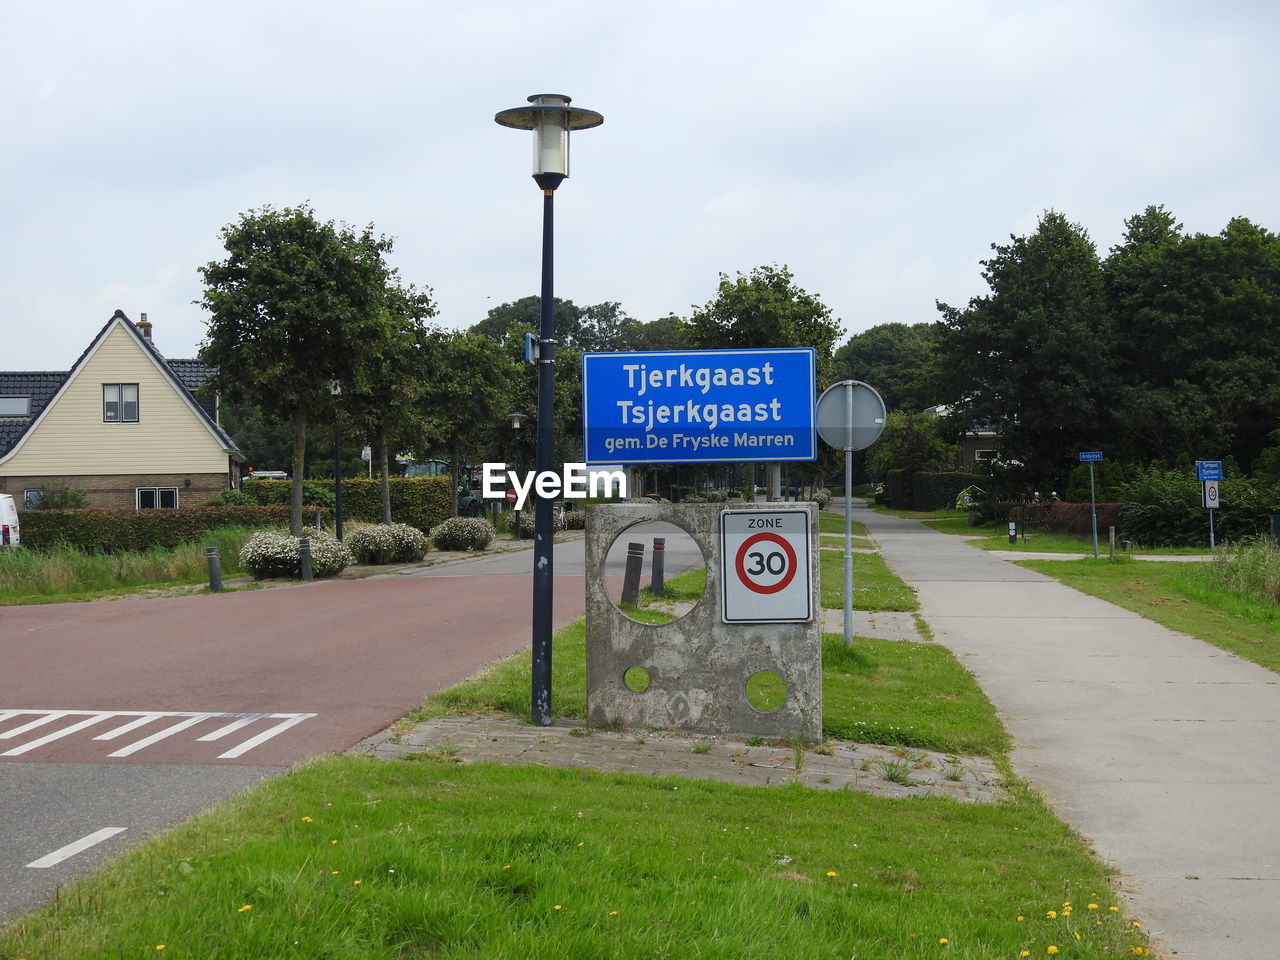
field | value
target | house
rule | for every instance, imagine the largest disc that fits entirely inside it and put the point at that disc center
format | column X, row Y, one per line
column 124, row 425
column 978, row 445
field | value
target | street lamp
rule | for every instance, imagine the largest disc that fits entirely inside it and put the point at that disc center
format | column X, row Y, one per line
column 335, row 391
column 550, row 118
column 517, row 420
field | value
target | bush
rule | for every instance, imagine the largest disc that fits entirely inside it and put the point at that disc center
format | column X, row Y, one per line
column 231, row 498
column 527, row 519
column 463, row 533
column 421, row 502
column 272, row 553
column 114, row 531
column 575, row 520
column 822, row 497
column 1162, row 508
column 387, row 543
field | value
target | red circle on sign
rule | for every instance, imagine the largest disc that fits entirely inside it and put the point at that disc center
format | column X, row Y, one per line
column 512, row 496
column 786, row 577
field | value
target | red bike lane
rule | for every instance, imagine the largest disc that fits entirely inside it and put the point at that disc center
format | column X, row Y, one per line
column 262, row 677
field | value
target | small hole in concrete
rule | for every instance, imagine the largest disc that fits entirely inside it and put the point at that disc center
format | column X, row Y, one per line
column 766, row 691
column 636, row 679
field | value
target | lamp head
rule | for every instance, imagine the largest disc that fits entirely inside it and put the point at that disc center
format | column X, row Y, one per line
column 550, row 118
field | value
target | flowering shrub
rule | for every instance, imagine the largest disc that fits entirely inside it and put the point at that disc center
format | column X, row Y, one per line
column 271, row 553
column 462, row 533
column 822, row 497
column 387, row 543
column 527, row 517
column 575, row 519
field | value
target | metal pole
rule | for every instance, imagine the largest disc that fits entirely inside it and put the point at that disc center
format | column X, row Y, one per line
column 1093, row 503
column 337, row 476
column 304, row 559
column 215, row 568
column 1212, row 544
column 542, row 529
column 848, row 520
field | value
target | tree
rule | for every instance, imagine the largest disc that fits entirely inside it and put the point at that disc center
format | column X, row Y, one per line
column 912, row 442
column 900, row 360
column 1034, row 355
column 295, row 305
column 765, row 308
column 1199, row 352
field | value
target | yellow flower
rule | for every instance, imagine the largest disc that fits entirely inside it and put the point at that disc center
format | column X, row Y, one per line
column 333, row 841
column 1114, row 909
column 1093, row 906
column 306, row 820
column 1135, row 923
column 1076, row 935
column 246, row 907
column 1052, row 950
column 581, row 842
column 613, row 913
column 507, row 867
column 558, row 907
column 1139, row 952
column 355, row 883
column 1025, row 953
column 942, row 939
column 1021, row 918
column 1051, row 914
column 832, row 873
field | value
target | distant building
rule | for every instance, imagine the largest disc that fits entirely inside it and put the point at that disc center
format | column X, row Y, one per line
column 976, row 446
column 128, row 427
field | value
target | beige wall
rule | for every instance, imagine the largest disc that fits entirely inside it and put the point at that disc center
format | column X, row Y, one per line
column 72, row 441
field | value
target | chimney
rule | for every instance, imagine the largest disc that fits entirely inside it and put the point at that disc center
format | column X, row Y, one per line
column 144, row 326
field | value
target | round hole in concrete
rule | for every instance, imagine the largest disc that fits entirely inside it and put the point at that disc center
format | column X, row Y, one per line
column 636, row 679
column 684, row 572
column 766, row 691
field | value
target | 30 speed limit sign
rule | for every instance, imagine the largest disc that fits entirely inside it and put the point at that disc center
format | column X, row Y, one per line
column 764, row 566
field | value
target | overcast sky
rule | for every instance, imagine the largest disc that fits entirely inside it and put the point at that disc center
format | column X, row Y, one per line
column 878, row 149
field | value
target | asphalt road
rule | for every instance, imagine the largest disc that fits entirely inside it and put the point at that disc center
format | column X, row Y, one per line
column 120, row 718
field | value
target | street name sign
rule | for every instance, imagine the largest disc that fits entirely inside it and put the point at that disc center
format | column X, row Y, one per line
column 1208, row 470
column 1090, row 456
column 764, row 566
column 699, row 406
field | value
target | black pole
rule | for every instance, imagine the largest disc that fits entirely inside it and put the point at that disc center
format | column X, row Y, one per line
column 542, row 529
column 337, row 476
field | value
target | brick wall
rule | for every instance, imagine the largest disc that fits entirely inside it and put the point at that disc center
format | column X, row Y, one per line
column 120, row 491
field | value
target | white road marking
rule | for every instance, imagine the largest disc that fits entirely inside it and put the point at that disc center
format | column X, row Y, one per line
column 56, row 735
column 71, row 849
column 264, row 736
column 161, row 735
column 140, row 718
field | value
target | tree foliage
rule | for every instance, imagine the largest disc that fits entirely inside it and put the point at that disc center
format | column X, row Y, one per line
column 295, row 305
column 900, row 360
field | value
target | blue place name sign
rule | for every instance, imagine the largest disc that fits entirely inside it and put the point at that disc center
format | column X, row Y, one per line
column 1207, row 470
column 1090, row 456
column 699, row 406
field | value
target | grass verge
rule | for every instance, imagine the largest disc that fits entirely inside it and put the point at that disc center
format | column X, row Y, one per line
column 66, row 573
column 349, row 857
column 875, row 586
column 1187, row 597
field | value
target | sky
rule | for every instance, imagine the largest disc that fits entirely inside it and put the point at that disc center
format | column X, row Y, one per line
column 876, row 149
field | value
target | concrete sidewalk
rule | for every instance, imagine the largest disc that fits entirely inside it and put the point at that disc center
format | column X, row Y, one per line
column 1160, row 749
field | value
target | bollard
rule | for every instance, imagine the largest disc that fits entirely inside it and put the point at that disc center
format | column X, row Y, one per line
column 659, row 561
column 631, row 577
column 1111, row 539
column 304, row 558
column 215, row 568
column 1013, row 532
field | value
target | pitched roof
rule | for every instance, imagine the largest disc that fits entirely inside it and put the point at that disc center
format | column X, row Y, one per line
column 186, row 376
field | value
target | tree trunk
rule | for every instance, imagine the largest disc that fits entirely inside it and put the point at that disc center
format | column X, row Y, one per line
column 383, row 468
column 299, row 470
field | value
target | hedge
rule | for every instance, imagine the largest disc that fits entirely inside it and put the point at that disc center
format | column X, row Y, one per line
column 938, row 491
column 114, row 531
column 1076, row 519
column 422, row 502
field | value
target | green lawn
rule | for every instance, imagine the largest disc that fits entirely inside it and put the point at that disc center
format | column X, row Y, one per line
column 1183, row 596
column 875, row 587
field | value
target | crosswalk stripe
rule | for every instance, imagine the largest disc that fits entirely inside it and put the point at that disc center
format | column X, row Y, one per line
column 56, row 735
column 161, row 735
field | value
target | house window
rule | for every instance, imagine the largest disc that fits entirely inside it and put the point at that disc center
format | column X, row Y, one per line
column 157, row 498
column 15, row 406
column 981, row 455
column 31, row 499
column 119, row 403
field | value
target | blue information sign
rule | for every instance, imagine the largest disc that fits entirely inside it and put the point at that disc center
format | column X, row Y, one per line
column 1208, row 470
column 699, row 406
column 1090, row 455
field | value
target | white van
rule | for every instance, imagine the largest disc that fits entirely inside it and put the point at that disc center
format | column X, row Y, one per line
column 9, row 536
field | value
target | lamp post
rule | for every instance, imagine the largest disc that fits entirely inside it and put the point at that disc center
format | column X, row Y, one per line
column 335, row 391
column 550, row 118
column 517, row 420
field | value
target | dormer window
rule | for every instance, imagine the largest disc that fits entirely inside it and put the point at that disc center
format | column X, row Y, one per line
column 15, row 406
column 119, row 403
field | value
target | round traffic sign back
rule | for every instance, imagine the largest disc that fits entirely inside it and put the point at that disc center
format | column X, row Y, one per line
column 851, row 415
column 770, row 567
